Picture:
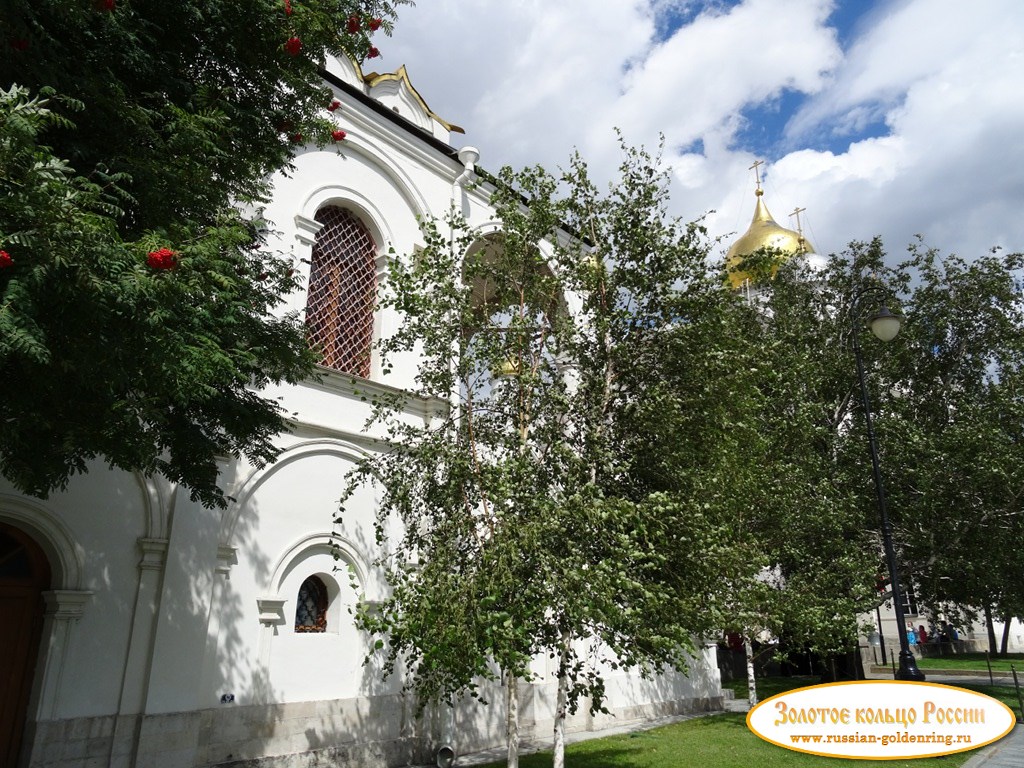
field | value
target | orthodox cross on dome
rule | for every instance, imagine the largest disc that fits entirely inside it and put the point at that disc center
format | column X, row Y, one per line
column 800, row 230
column 796, row 212
column 757, row 175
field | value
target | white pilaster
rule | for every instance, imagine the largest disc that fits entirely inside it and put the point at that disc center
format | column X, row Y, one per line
column 226, row 557
column 271, row 617
column 63, row 609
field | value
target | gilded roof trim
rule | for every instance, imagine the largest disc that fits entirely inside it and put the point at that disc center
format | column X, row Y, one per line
column 401, row 75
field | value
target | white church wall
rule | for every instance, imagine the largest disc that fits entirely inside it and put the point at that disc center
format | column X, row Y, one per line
column 172, row 639
column 1015, row 640
column 285, row 520
column 388, row 182
column 101, row 516
column 471, row 726
column 176, row 669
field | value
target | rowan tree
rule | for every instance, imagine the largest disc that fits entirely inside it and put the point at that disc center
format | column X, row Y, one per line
column 137, row 298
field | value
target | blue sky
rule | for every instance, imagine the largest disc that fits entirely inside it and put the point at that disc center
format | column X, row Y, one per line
column 892, row 117
column 762, row 130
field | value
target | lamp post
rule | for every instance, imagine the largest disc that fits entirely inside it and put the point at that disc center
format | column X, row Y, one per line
column 885, row 325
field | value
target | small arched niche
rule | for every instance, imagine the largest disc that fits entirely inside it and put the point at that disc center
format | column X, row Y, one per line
column 316, row 605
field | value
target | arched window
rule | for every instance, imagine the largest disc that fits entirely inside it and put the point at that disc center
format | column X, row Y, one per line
column 342, row 292
column 516, row 301
column 311, row 607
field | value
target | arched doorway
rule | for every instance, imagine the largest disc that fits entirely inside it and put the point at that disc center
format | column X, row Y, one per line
column 24, row 576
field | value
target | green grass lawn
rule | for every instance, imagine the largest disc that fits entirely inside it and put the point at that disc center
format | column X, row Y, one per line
column 724, row 741
column 718, row 741
column 975, row 661
column 1005, row 694
column 769, row 686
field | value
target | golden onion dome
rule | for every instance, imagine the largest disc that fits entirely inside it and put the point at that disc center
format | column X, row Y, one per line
column 763, row 232
column 507, row 369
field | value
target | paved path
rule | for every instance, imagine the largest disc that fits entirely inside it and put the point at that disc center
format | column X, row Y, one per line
column 971, row 680
column 1008, row 752
column 948, row 677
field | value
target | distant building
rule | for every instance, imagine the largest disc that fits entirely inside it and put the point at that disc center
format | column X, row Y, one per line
column 881, row 644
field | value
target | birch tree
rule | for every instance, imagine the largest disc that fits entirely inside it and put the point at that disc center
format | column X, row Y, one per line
column 576, row 501
column 816, row 520
column 946, row 394
column 954, row 438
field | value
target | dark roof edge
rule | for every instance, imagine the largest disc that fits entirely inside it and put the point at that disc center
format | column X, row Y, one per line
column 430, row 140
column 394, row 117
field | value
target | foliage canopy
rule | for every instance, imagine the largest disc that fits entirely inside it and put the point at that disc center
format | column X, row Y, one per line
column 569, row 500
column 180, row 112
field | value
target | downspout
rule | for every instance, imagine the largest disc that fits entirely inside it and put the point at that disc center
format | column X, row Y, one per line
column 468, row 156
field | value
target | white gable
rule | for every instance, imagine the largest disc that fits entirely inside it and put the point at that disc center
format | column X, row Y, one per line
column 394, row 91
column 345, row 70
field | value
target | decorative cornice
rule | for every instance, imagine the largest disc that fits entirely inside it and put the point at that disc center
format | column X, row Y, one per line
column 226, row 557
column 66, row 604
column 306, row 229
column 367, row 390
column 271, row 610
column 154, row 554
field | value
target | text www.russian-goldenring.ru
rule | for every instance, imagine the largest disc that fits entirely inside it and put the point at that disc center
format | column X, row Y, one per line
column 885, row 739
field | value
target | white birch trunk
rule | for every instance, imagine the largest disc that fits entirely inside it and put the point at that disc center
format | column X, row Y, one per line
column 561, row 703
column 512, row 709
column 751, row 680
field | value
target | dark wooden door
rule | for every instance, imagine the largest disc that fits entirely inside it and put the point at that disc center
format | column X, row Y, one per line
column 24, row 575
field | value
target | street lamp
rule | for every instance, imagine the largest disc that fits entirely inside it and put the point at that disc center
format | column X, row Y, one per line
column 885, row 325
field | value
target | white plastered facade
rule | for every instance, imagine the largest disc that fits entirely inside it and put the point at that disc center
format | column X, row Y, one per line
column 169, row 639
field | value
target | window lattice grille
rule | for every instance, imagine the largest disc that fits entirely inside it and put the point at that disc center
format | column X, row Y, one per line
column 342, row 292
column 311, row 606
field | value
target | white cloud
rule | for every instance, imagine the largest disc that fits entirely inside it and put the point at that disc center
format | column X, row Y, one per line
column 530, row 80
column 950, row 75
column 522, row 77
column 910, row 42
column 722, row 62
